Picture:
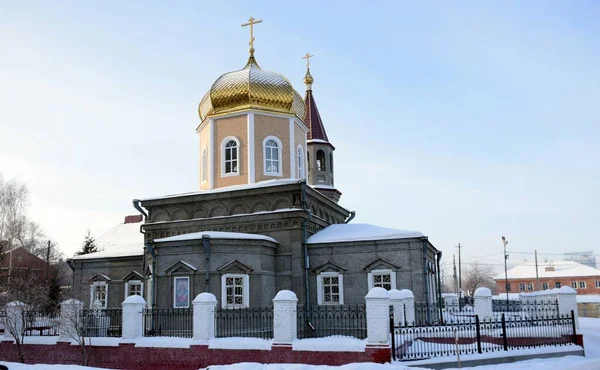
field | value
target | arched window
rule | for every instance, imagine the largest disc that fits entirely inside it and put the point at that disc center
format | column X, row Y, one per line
column 230, row 156
column 272, row 156
column 300, row 163
column 308, row 159
column 331, row 162
column 204, row 165
column 320, row 160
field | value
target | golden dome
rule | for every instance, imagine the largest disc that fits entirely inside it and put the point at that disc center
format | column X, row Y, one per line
column 251, row 88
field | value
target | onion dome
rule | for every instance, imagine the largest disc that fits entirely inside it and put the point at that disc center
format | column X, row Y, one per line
column 251, row 88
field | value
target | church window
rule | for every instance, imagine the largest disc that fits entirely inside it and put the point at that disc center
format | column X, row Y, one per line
column 181, row 292
column 134, row 287
column 204, row 165
column 331, row 162
column 545, row 286
column 272, row 156
column 99, row 292
column 320, row 160
column 300, row 163
column 330, row 288
column 385, row 279
column 230, row 163
column 308, row 159
column 235, row 290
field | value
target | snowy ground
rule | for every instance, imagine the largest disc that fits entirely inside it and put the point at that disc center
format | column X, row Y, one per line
column 590, row 328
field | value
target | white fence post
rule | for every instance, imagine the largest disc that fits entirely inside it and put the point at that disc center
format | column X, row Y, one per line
column 483, row 302
column 378, row 313
column 397, row 302
column 409, row 306
column 284, row 317
column 70, row 319
column 133, row 323
column 567, row 302
column 14, row 319
column 204, row 316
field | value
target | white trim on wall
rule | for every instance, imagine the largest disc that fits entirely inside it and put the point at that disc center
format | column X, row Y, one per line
column 320, row 293
column 238, row 154
column 293, row 172
column 251, row 159
column 279, row 155
column 204, row 166
column 381, row 271
column 245, row 290
column 134, row 282
column 211, row 162
column 301, row 162
column 93, row 290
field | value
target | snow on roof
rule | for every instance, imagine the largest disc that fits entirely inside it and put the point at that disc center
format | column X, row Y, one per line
column 256, row 185
column 556, row 269
column 122, row 240
column 588, row 298
column 215, row 235
column 356, row 232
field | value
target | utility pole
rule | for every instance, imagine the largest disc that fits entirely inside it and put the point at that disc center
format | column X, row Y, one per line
column 47, row 259
column 537, row 276
column 504, row 242
column 459, row 274
column 454, row 274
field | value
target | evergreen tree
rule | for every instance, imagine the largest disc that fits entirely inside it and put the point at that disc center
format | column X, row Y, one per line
column 89, row 245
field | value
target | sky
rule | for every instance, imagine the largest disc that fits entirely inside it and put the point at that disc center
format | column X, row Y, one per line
column 466, row 121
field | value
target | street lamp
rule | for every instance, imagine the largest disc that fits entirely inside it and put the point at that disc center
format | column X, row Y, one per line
column 504, row 242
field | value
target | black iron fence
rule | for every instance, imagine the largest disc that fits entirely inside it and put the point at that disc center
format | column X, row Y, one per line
column 102, row 323
column 325, row 321
column 531, row 307
column 168, row 322
column 253, row 322
column 41, row 323
column 468, row 334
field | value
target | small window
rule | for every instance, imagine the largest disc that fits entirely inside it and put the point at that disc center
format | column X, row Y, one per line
column 181, row 292
column 557, row 284
column 320, row 160
column 529, row 286
column 204, row 165
column 582, row 285
column 99, row 292
column 330, row 288
column 230, row 158
column 235, row 290
column 300, row 163
column 544, row 286
column 574, row 284
column 272, row 156
column 507, row 287
column 331, row 162
column 134, row 287
column 385, row 279
column 521, row 286
column 597, row 283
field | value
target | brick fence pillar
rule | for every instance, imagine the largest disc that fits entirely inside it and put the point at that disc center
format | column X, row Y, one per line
column 378, row 317
column 397, row 303
column 204, row 316
column 285, row 320
column 567, row 301
column 483, row 302
column 14, row 319
column 70, row 318
column 409, row 306
column 133, row 323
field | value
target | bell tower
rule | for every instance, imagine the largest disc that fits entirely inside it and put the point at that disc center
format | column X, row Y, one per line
column 319, row 150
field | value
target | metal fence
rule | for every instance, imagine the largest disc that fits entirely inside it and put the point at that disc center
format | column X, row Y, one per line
column 325, row 321
column 102, row 323
column 528, row 307
column 168, row 322
column 468, row 334
column 254, row 322
column 40, row 323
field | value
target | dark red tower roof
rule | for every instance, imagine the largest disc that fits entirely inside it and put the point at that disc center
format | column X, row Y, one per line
column 312, row 118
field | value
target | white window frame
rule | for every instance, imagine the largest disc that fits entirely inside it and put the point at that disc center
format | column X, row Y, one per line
column 300, row 156
column 175, row 278
column 134, row 282
column 545, row 286
column 245, row 290
column 574, row 284
column 204, row 164
column 93, row 293
column 521, row 286
column 320, row 292
column 557, row 284
column 597, row 283
column 238, row 160
column 371, row 282
column 279, row 156
column 530, row 286
column 582, row 285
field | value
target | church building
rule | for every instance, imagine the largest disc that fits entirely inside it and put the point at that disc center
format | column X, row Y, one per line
column 266, row 217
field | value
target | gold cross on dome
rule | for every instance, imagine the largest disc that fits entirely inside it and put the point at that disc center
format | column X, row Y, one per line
column 307, row 57
column 251, row 23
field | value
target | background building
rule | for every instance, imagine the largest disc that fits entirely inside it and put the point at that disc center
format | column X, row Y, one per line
column 585, row 258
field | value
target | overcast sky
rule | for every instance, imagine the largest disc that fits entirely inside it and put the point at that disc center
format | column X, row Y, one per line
column 465, row 121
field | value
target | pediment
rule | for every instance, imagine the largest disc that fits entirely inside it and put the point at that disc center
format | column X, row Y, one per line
column 99, row 277
column 329, row 266
column 380, row 263
column 181, row 267
column 133, row 275
column 235, row 266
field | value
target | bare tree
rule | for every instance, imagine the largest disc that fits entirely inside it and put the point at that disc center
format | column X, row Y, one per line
column 74, row 326
column 477, row 274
